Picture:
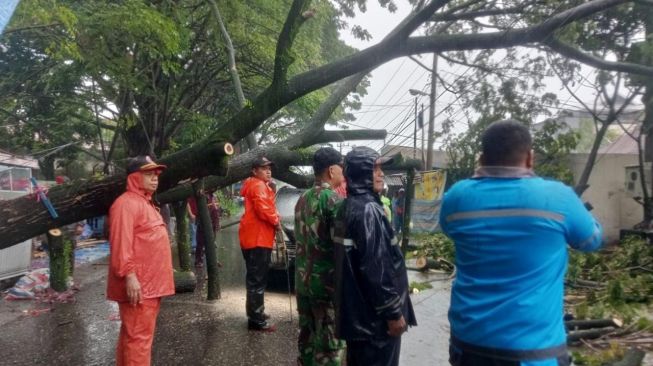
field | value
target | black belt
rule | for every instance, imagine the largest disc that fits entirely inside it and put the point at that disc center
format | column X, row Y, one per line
column 509, row 354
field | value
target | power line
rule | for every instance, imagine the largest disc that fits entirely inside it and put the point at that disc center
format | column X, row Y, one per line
column 399, row 88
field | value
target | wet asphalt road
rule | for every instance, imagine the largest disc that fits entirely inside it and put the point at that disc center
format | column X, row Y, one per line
column 190, row 330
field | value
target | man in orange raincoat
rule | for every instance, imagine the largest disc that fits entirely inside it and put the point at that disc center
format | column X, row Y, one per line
column 257, row 234
column 140, row 272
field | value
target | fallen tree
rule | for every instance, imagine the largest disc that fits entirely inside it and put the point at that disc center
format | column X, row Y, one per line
column 23, row 218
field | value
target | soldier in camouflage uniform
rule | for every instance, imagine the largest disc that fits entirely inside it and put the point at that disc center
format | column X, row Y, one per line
column 314, row 214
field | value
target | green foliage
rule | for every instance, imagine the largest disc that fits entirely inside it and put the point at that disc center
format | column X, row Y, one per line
column 436, row 245
column 599, row 357
column 160, row 67
column 587, row 134
column 227, row 203
column 552, row 144
column 419, row 286
column 61, row 262
column 622, row 279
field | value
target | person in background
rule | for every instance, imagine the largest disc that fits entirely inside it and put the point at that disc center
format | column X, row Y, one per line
column 315, row 213
column 192, row 224
column 398, row 210
column 257, row 235
column 373, row 308
column 214, row 214
column 511, row 229
column 140, row 269
column 387, row 204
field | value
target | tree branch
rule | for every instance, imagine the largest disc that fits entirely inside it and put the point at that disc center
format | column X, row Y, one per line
column 271, row 100
column 384, row 51
column 29, row 28
column 348, row 135
column 578, row 55
column 406, row 28
column 315, row 126
column 240, row 168
column 297, row 15
column 233, row 71
column 471, row 15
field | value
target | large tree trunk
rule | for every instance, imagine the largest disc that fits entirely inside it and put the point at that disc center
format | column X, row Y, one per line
column 24, row 217
column 185, row 279
column 182, row 235
column 47, row 168
column 205, row 224
column 582, row 184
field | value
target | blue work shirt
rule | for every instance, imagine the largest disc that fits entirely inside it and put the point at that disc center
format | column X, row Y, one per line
column 511, row 230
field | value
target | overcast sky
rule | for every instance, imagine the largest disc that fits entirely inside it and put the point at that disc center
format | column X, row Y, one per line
column 388, row 103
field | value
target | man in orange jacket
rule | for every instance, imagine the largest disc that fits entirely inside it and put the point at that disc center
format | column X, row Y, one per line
column 257, row 233
column 140, row 272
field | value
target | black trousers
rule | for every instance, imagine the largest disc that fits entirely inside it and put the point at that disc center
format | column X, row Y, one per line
column 257, row 262
column 374, row 352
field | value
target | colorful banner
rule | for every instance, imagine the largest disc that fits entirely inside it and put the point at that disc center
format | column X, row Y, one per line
column 425, row 210
column 7, row 8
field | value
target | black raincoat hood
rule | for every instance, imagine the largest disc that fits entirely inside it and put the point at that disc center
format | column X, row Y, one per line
column 359, row 169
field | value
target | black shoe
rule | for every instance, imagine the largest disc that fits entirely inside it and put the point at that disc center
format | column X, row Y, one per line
column 261, row 327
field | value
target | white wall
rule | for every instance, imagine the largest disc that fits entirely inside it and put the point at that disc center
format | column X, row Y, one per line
column 612, row 206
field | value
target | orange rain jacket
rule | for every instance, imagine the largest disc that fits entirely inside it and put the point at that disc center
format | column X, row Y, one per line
column 257, row 225
column 138, row 243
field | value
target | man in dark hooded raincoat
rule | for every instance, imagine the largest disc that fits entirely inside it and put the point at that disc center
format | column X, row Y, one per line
column 373, row 308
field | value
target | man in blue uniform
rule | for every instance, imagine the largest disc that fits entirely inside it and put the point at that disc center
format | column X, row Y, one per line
column 511, row 230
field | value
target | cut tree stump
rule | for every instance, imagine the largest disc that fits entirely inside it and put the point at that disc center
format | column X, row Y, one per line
column 185, row 281
column 61, row 259
column 424, row 264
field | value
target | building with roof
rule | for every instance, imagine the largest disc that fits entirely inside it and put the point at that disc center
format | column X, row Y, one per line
column 15, row 173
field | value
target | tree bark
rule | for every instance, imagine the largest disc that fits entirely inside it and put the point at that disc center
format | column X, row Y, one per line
column 233, row 70
column 348, row 135
column 587, row 334
column 60, row 251
column 185, row 281
column 204, row 224
column 647, row 126
column 424, row 264
column 24, row 217
column 593, row 323
column 88, row 199
column 47, row 167
column 582, row 185
column 240, row 168
column 182, row 235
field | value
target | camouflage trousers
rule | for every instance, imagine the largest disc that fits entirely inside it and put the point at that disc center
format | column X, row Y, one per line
column 317, row 342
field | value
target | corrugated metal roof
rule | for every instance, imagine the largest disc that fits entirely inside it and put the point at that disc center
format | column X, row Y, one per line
column 7, row 158
column 624, row 144
column 395, row 180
